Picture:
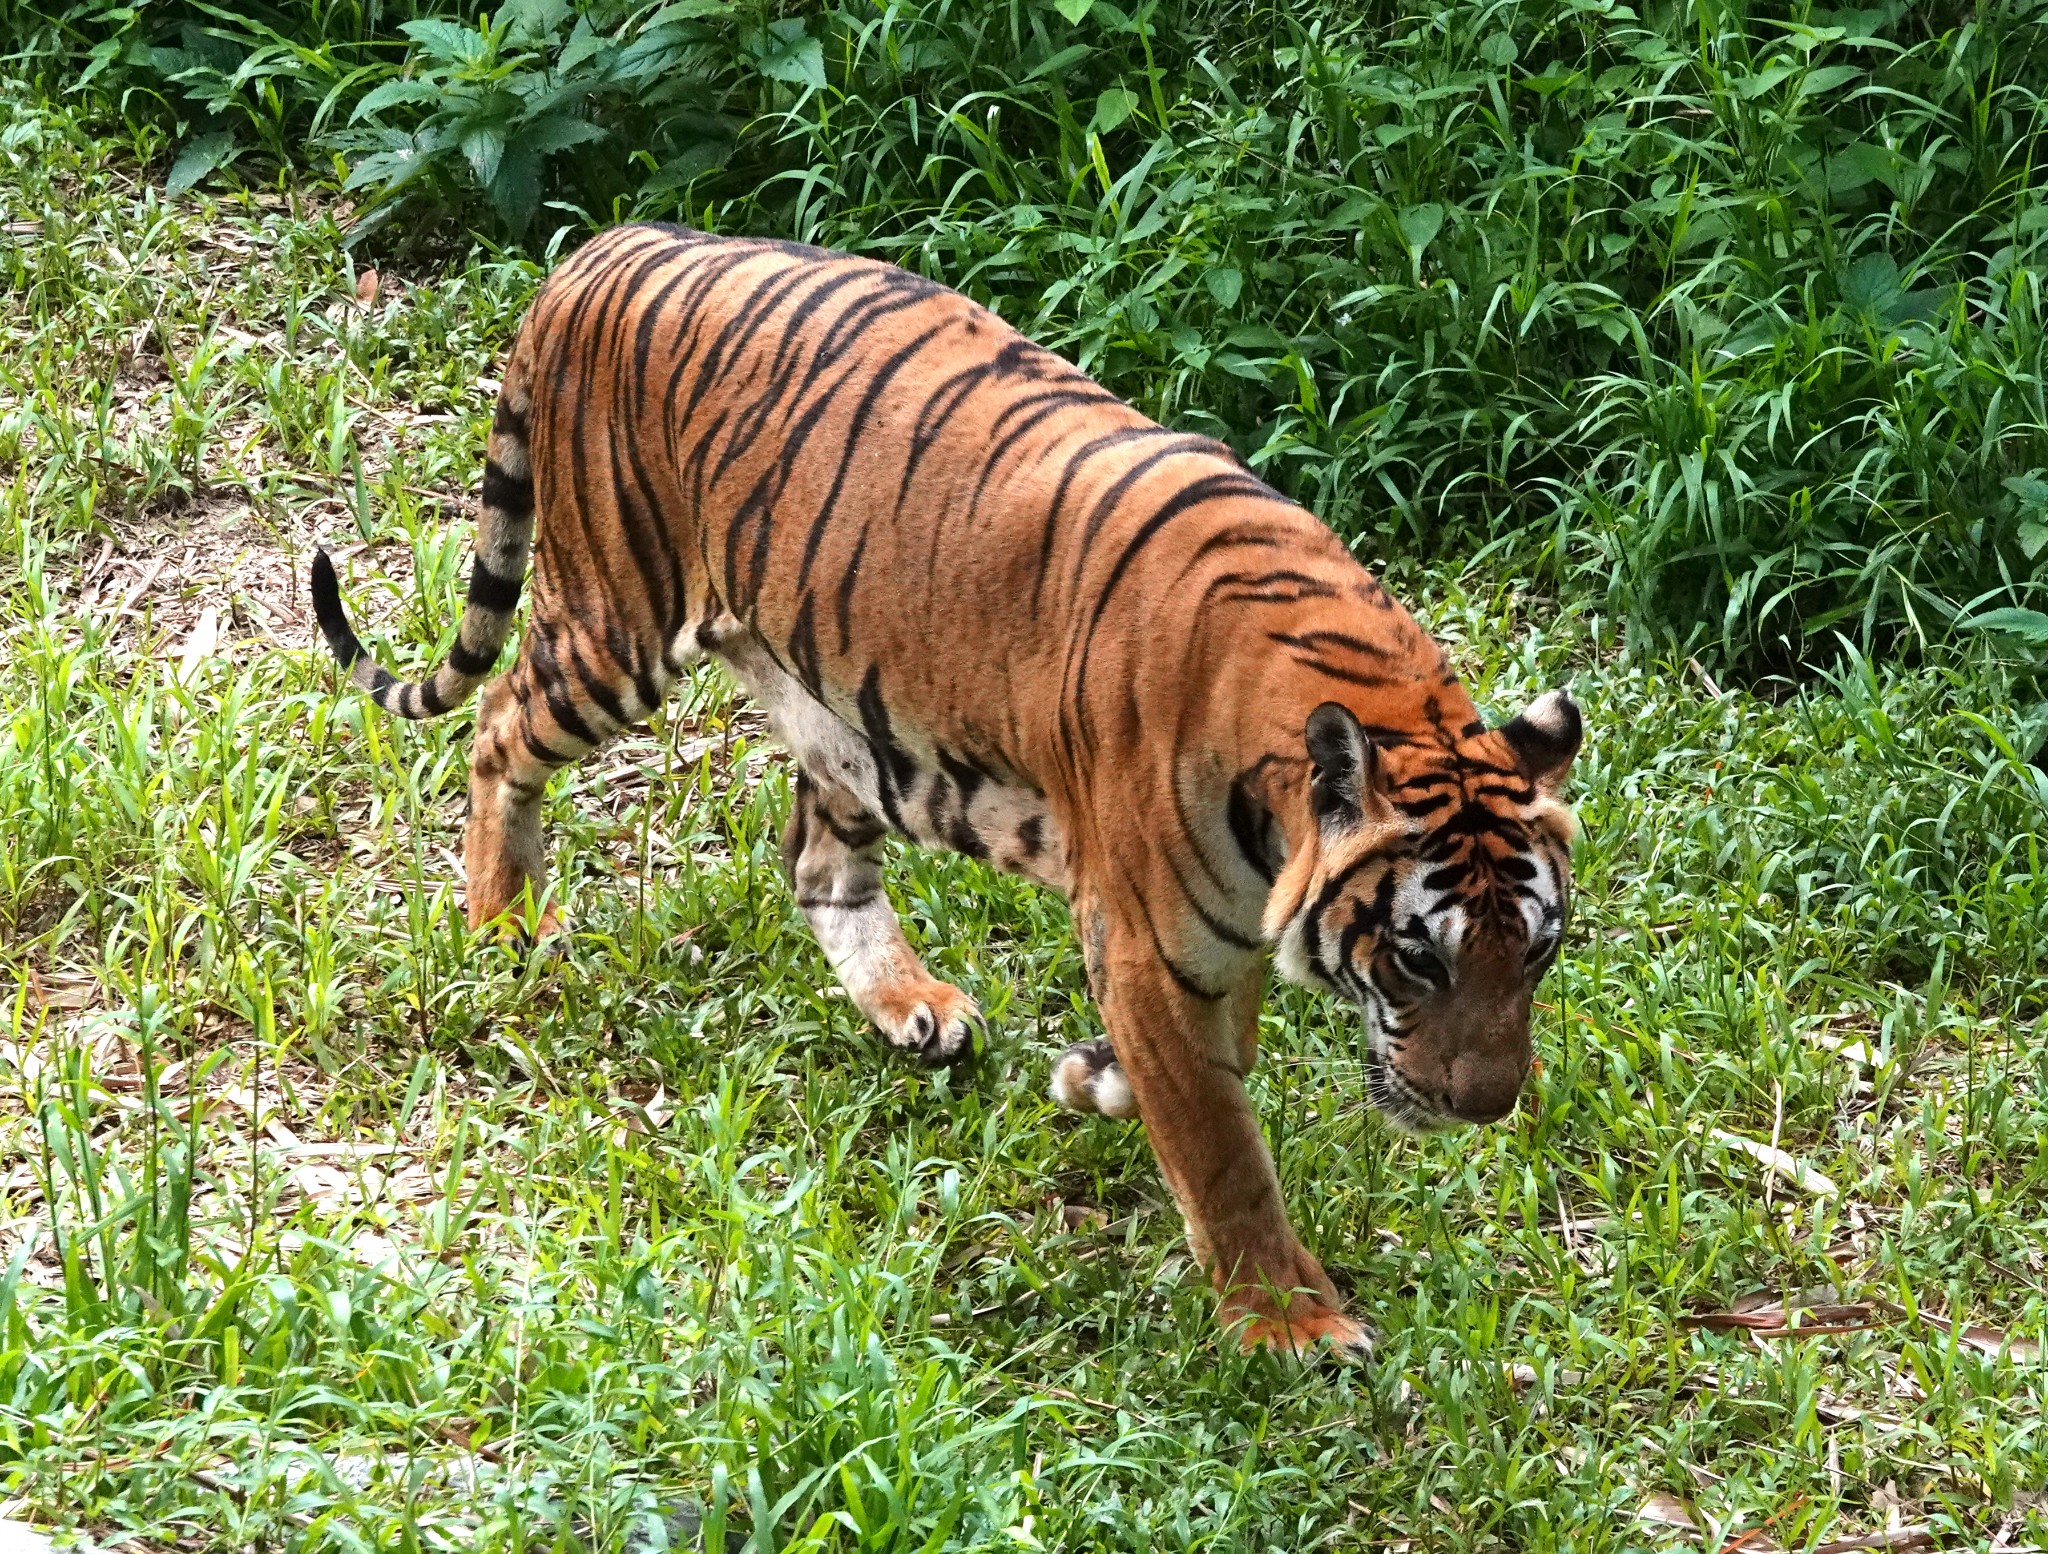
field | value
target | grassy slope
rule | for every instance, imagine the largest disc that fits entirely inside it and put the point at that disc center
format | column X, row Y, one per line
column 415, row 1246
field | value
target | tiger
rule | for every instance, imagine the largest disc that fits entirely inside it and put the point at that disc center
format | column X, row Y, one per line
column 989, row 607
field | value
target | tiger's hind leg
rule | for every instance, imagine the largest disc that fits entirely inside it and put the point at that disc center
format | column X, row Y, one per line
column 1088, row 1078
column 550, row 710
column 832, row 852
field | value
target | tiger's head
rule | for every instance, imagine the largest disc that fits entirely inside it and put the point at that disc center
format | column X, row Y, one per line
column 1432, row 890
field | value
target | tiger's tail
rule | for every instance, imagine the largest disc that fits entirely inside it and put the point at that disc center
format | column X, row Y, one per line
column 504, row 540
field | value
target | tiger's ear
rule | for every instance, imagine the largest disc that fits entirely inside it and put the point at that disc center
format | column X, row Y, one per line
column 1344, row 782
column 1545, row 738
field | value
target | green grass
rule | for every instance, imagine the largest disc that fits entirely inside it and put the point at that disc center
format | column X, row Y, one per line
column 658, row 1223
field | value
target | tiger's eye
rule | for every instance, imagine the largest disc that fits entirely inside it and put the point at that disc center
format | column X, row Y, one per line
column 1420, row 961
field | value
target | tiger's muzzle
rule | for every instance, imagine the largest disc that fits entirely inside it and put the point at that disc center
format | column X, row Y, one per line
column 1453, row 1072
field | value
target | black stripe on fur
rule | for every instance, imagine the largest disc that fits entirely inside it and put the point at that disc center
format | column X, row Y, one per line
column 492, row 592
column 466, row 662
column 342, row 640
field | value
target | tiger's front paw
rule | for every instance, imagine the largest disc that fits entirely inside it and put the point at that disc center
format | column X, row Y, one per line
column 546, row 934
column 933, row 1021
column 1305, row 1328
column 1088, row 1078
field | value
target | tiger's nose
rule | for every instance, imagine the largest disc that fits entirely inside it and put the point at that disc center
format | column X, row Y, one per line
column 1484, row 1091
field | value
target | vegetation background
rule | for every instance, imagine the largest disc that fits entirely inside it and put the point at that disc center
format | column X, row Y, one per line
column 1691, row 353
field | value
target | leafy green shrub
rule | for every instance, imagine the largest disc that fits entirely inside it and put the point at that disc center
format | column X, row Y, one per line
column 224, row 80
column 1739, row 313
column 425, row 100
column 500, row 98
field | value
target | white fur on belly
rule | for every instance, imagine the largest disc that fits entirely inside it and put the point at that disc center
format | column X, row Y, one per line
column 833, row 750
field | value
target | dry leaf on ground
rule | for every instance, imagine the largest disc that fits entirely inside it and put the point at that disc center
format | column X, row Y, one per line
column 1853, row 1051
column 1794, row 1172
column 68, row 990
column 1778, row 1322
column 642, row 1108
column 1989, row 1340
column 345, row 1151
column 199, row 644
column 1521, row 1376
column 1896, row 1538
column 1662, row 1510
